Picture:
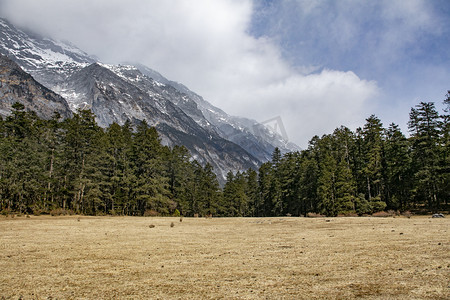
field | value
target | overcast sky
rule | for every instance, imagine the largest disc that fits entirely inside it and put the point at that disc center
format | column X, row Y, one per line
column 316, row 64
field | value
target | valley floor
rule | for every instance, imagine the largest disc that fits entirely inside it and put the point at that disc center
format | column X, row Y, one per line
column 82, row 257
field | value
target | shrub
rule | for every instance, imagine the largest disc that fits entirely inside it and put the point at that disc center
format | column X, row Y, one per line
column 61, row 212
column 347, row 205
column 362, row 205
column 407, row 214
column 151, row 213
column 176, row 213
column 350, row 213
column 6, row 212
column 382, row 214
column 393, row 212
column 56, row 212
column 37, row 212
column 378, row 206
column 314, row 215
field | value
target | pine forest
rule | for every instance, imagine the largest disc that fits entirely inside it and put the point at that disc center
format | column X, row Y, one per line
column 74, row 166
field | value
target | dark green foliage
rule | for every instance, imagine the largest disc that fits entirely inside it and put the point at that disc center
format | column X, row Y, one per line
column 48, row 165
column 363, row 172
column 425, row 130
column 74, row 165
column 397, row 169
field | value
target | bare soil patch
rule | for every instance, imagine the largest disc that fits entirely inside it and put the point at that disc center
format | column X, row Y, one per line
column 82, row 257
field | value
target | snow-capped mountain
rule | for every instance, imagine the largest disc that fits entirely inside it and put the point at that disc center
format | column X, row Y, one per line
column 47, row 60
column 256, row 138
column 116, row 93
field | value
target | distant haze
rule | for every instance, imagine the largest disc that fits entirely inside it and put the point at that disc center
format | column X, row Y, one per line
column 316, row 64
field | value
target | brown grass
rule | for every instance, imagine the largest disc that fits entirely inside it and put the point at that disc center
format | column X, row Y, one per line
column 241, row 258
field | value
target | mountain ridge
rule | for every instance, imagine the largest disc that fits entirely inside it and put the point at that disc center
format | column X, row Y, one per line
column 116, row 93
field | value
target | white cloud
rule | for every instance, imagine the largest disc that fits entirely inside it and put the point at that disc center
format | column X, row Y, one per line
column 206, row 46
column 314, row 104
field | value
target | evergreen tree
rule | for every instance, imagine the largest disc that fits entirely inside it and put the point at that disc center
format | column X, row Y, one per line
column 326, row 190
column 275, row 185
column 180, row 177
column 289, row 176
column 424, row 126
column 229, row 192
column 80, row 139
column 344, row 143
column 150, row 190
column 397, row 169
column 445, row 157
column 211, row 191
column 308, row 184
column 373, row 164
column 265, row 176
column 251, row 192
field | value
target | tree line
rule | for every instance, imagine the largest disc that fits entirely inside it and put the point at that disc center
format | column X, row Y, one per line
column 362, row 172
column 74, row 165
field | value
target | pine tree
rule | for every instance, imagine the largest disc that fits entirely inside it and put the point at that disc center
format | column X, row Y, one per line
column 251, row 192
column 229, row 192
column 373, row 156
column 289, row 175
column 275, row 185
column 211, row 191
column 397, row 169
column 308, row 184
column 424, row 126
column 265, row 176
column 345, row 188
column 344, row 143
column 180, row 177
column 445, row 152
column 151, row 190
column 80, row 139
column 326, row 190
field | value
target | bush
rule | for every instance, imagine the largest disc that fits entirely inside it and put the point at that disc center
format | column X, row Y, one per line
column 382, row 214
column 61, row 212
column 314, row 215
column 378, row 206
column 407, row 214
column 176, row 213
column 363, row 206
column 347, row 205
column 350, row 213
column 38, row 211
column 6, row 212
column 151, row 213
column 394, row 212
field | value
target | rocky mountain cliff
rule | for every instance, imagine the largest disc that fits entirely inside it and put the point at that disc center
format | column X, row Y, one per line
column 18, row 86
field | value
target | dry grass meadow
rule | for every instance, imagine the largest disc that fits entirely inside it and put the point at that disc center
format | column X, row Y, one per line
column 231, row 258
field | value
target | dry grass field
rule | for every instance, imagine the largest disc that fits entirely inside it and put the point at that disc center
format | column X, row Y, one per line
column 243, row 258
